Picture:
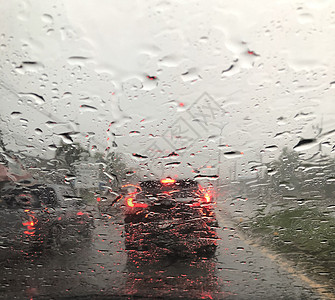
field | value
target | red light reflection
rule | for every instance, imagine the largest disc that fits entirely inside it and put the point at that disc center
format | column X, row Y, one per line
column 30, row 227
column 207, row 197
column 28, row 224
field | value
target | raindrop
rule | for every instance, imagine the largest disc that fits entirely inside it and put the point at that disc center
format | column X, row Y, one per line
column 151, row 77
column 67, row 95
column 47, row 18
column 15, row 114
column 44, row 77
column 77, row 60
column 38, row 131
column 66, row 138
column 271, row 148
column 173, row 163
column 139, row 156
column 281, row 121
column 172, row 154
column 37, row 98
column 252, row 53
column 228, row 69
column 52, row 147
column 305, row 18
column 25, row 121
column 190, row 75
column 29, row 66
column 50, row 31
column 305, row 144
column 209, row 177
column 132, row 133
column 87, row 108
column 232, row 154
column 51, row 124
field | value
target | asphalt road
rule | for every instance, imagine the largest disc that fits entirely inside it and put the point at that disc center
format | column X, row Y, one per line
column 102, row 269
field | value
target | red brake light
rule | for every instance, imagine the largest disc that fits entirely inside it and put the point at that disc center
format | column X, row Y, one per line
column 130, row 203
column 167, row 181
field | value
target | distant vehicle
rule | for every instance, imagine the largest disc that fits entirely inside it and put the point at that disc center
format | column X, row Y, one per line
column 41, row 216
column 174, row 215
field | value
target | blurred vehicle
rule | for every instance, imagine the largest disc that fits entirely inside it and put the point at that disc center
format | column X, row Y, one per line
column 175, row 216
column 40, row 216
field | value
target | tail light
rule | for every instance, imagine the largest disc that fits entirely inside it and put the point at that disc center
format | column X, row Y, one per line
column 168, row 181
column 130, row 201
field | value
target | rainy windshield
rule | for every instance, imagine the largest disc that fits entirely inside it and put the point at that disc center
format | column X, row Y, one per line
column 167, row 149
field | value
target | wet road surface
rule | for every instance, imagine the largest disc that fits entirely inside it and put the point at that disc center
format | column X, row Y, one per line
column 103, row 269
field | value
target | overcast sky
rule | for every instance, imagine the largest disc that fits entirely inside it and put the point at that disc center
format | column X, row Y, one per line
column 249, row 75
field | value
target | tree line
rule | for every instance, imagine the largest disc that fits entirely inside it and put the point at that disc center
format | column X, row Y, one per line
column 292, row 174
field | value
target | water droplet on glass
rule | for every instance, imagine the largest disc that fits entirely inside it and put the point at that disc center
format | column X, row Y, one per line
column 47, row 18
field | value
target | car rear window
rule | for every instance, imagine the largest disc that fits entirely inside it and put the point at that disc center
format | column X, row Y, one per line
column 181, row 186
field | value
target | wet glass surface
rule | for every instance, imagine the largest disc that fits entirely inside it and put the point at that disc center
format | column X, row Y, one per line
column 167, row 149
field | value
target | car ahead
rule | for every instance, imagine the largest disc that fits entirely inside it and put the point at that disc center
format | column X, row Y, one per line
column 40, row 216
column 173, row 216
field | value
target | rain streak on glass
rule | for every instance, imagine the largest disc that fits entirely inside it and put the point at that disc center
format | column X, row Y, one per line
column 166, row 150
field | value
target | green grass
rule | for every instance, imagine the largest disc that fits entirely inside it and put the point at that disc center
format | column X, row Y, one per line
column 299, row 230
column 305, row 236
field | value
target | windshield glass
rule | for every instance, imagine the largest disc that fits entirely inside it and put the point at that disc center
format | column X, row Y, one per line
column 167, row 149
